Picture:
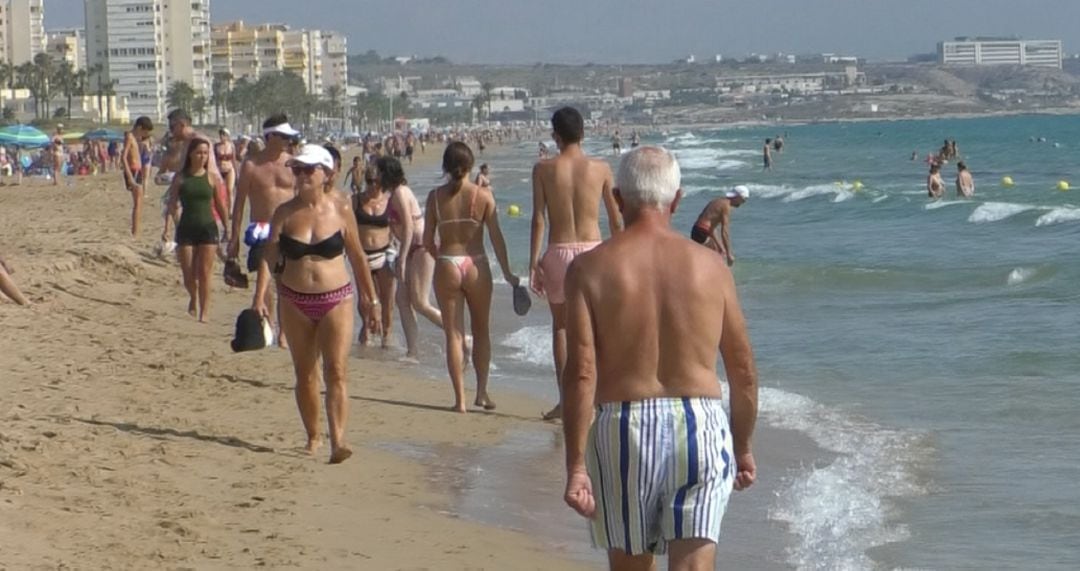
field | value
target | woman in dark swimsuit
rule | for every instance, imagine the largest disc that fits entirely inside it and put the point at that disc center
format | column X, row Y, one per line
column 308, row 236
column 193, row 188
column 373, row 221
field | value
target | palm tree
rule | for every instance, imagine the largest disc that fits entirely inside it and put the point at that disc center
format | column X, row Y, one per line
column 180, row 96
column 96, row 72
column 333, row 100
column 28, row 77
column 198, row 107
column 488, row 88
column 220, row 94
column 110, row 96
column 64, row 78
column 46, row 68
column 7, row 75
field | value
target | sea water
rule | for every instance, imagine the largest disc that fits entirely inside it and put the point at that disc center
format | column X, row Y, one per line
column 930, row 346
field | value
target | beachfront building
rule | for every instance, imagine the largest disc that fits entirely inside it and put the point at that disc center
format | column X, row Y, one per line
column 186, row 29
column 335, row 61
column 469, row 86
column 67, row 45
column 122, row 36
column 303, row 56
column 794, row 83
column 246, row 51
column 89, row 107
column 23, row 29
column 1001, row 51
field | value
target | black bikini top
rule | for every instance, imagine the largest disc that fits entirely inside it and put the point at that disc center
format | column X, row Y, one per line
column 375, row 220
column 331, row 247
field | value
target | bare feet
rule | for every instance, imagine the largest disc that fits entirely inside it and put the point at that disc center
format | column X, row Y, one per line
column 191, row 307
column 313, row 445
column 281, row 342
column 554, row 414
column 458, row 408
column 340, row 455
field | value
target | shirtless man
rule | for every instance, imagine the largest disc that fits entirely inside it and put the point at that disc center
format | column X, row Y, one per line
column 717, row 214
column 567, row 191
column 650, row 378
column 176, row 143
column 935, row 187
column 767, row 154
column 132, row 164
column 268, row 182
column 483, row 179
column 965, row 184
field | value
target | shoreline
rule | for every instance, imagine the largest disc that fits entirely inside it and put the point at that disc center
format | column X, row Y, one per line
column 133, row 436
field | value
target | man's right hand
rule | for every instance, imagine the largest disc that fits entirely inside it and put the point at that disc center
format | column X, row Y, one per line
column 536, row 280
column 579, row 494
column 234, row 249
column 747, row 471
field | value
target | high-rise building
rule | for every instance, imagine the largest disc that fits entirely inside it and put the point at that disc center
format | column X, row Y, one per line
column 67, row 45
column 24, row 30
column 247, row 51
column 186, row 28
column 144, row 46
column 303, row 56
column 335, row 61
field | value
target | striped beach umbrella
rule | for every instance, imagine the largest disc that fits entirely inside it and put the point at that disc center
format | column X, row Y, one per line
column 23, row 136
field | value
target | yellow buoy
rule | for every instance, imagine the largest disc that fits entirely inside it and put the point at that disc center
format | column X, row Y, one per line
column 1063, row 185
column 1007, row 181
column 857, row 185
column 514, row 210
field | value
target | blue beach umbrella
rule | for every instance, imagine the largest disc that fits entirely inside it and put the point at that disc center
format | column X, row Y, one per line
column 104, row 134
column 23, row 136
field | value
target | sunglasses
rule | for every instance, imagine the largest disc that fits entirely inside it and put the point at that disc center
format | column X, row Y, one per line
column 303, row 169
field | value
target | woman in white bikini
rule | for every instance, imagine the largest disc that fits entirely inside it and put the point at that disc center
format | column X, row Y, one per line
column 459, row 211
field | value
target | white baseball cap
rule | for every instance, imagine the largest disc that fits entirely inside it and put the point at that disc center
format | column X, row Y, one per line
column 313, row 155
column 282, row 129
column 742, row 191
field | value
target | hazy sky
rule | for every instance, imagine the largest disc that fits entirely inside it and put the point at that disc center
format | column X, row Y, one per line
column 630, row 31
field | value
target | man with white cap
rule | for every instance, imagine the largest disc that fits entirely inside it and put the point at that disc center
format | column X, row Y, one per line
column 265, row 179
column 717, row 214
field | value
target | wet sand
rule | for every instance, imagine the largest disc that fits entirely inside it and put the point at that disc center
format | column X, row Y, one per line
column 132, row 437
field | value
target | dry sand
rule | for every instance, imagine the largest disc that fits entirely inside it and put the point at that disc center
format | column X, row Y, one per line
column 132, row 438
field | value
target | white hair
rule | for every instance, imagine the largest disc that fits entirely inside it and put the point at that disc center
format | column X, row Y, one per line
column 648, row 176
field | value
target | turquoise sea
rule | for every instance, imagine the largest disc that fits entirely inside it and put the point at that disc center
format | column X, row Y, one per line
column 930, row 349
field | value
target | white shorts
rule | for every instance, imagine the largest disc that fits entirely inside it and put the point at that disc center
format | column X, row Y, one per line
column 661, row 470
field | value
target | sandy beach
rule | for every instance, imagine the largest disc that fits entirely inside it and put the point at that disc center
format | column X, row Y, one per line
column 132, row 437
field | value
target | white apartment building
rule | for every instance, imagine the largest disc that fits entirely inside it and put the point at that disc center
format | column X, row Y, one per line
column 303, row 56
column 67, row 45
column 126, row 37
column 23, row 29
column 1001, row 51
column 186, row 28
column 335, row 60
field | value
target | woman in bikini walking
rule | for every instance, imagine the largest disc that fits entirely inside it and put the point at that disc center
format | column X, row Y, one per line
column 373, row 222
column 310, row 235
column 459, row 211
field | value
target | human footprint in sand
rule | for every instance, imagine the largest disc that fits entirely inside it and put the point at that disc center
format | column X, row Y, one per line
column 7, row 285
column 309, row 236
column 459, row 211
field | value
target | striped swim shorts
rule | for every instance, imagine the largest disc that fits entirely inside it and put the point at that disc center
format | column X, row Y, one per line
column 661, row 470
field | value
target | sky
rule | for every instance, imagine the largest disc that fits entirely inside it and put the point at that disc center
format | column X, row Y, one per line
column 645, row 31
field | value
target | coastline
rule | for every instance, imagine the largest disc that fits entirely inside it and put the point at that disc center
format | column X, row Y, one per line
column 133, row 437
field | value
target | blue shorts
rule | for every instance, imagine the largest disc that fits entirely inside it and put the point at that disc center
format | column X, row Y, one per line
column 661, row 470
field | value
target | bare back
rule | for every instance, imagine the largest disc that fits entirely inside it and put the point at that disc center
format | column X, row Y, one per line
column 684, row 305
column 569, row 188
column 715, row 212
column 458, row 218
column 267, row 183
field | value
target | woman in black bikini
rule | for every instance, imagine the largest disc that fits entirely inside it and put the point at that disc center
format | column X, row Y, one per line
column 373, row 221
column 308, row 237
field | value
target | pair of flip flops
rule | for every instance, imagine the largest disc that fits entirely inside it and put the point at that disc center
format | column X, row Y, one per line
column 234, row 275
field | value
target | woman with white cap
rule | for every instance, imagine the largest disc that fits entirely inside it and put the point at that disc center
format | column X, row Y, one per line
column 310, row 235
column 717, row 214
